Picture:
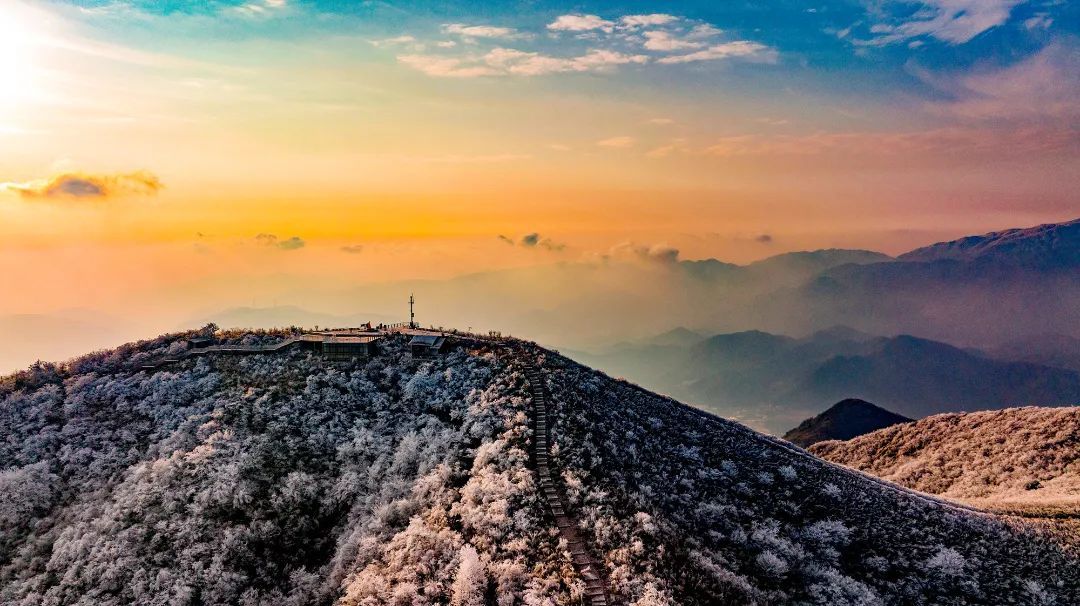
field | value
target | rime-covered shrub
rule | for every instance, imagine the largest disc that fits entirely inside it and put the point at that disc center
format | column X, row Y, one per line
column 271, row 479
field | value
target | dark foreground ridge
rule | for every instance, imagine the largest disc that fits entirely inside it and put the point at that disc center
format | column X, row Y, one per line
column 465, row 471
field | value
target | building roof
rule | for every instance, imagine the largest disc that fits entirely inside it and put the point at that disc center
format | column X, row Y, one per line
column 352, row 339
column 428, row 340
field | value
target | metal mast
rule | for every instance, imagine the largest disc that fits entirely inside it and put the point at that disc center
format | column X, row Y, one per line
column 412, row 317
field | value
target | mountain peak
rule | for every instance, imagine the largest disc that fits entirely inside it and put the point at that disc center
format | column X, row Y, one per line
column 1047, row 246
column 679, row 336
column 840, row 332
column 824, row 257
column 842, row 421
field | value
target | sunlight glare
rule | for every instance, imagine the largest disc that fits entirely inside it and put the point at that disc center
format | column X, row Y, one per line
column 15, row 47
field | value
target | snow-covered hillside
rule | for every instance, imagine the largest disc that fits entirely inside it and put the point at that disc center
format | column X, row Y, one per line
column 999, row 458
column 290, row 479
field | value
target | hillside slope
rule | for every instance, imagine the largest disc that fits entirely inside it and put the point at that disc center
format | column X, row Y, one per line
column 1004, row 458
column 289, row 479
column 842, row 421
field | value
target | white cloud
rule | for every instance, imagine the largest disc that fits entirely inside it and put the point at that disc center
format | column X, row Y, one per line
column 580, row 23
column 446, row 67
column 1041, row 90
column 657, row 32
column 739, row 48
column 262, row 7
column 523, row 63
column 1039, row 21
column 703, row 30
column 617, row 142
column 952, row 21
column 599, row 59
column 660, row 40
column 479, row 31
column 395, row 41
column 634, row 21
column 512, row 61
column 509, row 61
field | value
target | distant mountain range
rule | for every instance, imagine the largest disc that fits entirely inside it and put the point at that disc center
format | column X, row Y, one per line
column 986, row 291
column 26, row 338
column 842, row 421
column 1048, row 349
column 1019, row 459
column 773, row 381
column 982, row 289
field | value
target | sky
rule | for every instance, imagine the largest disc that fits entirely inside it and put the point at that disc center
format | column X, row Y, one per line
column 173, row 156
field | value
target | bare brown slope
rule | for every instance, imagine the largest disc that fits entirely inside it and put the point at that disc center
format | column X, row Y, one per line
column 1017, row 457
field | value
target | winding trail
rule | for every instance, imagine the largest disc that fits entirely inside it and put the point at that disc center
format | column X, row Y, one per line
column 591, row 571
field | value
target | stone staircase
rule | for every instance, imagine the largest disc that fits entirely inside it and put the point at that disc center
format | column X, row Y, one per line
column 586, row 565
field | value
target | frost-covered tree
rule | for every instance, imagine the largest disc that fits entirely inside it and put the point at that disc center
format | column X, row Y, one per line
column 471, row 579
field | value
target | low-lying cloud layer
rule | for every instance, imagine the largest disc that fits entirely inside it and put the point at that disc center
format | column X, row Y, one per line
column 271, row 240
column 82, row 185
column 656, row 253
column 534, row 240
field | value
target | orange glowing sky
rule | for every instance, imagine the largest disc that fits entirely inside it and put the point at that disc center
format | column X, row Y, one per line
column 376, row 142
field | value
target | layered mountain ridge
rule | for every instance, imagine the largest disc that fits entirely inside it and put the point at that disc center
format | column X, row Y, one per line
column 775, row 381
column 1001, row 289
